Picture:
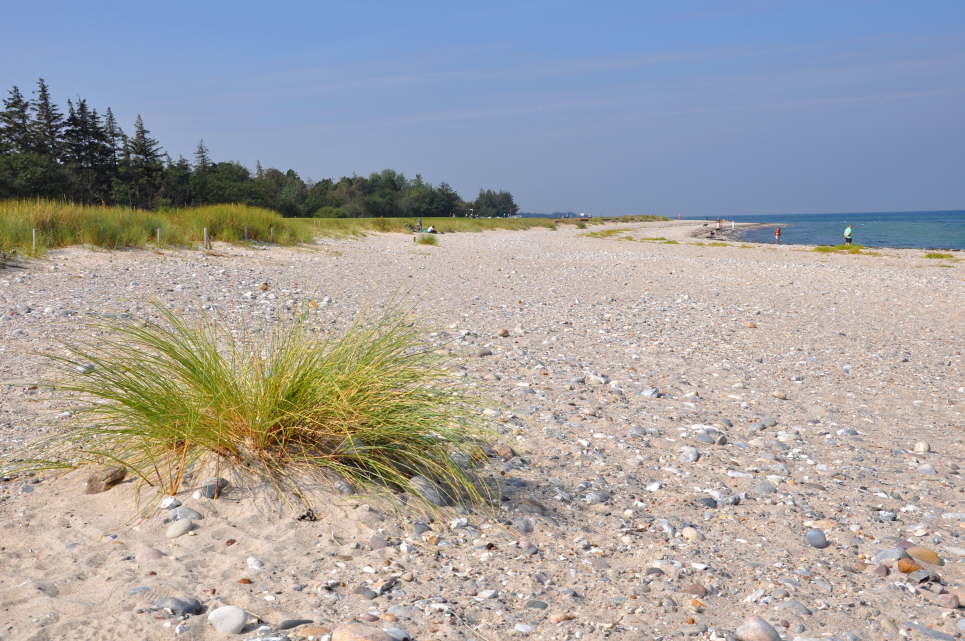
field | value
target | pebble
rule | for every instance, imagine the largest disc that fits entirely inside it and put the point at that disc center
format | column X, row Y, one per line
column 178, row 606
column 524, row 628
column 179, row 528
column 254, row 563
column 169, row 503
column 922, row 447
column 756, row 629
column 924, row 555
column 104, row 479
column 228, row 619
column 429, row 491
column 359, row 632
column 183, row 512
column 214, row 488
column 815, row 538
column 689, row 454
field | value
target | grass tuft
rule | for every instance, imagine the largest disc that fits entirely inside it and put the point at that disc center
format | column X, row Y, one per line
column 937, row 255
column 170, row 400
column 427, row 239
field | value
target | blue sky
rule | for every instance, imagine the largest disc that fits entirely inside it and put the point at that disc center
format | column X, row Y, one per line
column 700, row 108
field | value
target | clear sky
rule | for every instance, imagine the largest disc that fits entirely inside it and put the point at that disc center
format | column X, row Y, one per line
column 694, row 107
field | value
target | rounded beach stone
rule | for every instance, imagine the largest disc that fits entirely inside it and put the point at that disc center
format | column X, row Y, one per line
column 815, row 538
column 228, row 619
column 179, row 528
column 923, row 554
column 359, row 632
column 756, row 629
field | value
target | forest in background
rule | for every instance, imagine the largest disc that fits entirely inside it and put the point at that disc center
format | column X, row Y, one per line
column 84, row 156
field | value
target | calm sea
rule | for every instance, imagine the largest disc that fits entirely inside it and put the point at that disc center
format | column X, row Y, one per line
column 923, row 229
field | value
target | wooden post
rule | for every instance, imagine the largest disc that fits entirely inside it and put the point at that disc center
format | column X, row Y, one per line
column 34, row 234
column 157, row 241
column 207, row 244
column 271, row 234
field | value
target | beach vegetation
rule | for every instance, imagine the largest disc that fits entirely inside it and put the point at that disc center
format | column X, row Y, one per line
column 60, row 224
column 938, row 255
column 843, row 248
column 427, row 239
column 170, row 400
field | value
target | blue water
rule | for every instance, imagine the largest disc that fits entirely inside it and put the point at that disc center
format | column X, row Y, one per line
column 923, row 229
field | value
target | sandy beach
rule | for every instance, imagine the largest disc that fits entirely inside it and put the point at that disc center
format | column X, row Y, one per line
column 676, row 419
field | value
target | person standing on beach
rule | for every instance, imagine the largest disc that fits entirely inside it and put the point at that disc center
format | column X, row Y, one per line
column 848, row 233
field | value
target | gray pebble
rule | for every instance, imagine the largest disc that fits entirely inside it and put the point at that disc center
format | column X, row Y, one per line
column 178, row 606
column 815, row 538
column 183, row 512
column 179, row 528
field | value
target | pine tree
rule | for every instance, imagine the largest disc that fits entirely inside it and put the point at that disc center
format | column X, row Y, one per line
column 15, row 122
column 116, row 139
column 87, row 153
column 47, row 126
column 144, row 165
column 202, row 161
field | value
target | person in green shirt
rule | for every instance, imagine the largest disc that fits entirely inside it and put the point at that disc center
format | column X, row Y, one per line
column 848, row 233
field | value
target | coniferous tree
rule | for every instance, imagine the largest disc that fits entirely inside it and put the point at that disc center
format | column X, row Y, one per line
column 46, row 129
column 87, row 154
column 201, row 179
column 15, row 122
column 116, row 139
column 144, row 166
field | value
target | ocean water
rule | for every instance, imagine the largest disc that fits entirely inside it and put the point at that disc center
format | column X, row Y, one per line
column 921, row 229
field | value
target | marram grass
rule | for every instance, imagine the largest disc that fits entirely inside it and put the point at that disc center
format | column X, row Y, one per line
column 170, row 400
column 59, row 224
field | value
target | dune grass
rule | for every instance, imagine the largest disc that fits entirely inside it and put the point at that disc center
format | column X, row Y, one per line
column 427, row 239
column 938, row 255
column 169, row 400
column 353, row 227
column 60, row 224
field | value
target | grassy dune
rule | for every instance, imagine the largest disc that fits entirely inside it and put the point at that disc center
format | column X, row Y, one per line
column 60, row 224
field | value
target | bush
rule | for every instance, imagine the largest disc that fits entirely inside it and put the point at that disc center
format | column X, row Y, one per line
column 937, row 255
column 166, row 399
column 427, row 239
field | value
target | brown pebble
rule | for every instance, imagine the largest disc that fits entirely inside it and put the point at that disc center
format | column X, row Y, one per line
column 244, row 581
column 359, row 632
column 368, row 617
column 503, row 333
column 925, row 555
column 388, row 616
column 264, row 287
column 560, row 618
column 907, row 567
column 104, row 479
column 752, row 325
column 880, row 570
column 230, row 542
column 309, row 630
column 695, row 588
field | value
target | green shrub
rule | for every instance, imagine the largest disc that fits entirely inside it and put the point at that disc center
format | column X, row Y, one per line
column 937, row 255
column 169, row 400
column 427, row 239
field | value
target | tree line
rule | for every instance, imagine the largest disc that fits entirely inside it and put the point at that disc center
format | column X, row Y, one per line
column 85, row 156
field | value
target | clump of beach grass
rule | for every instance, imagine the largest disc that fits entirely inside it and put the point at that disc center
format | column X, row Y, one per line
column 938, row 255
column 167, row 399
column 427, row 239
column 843, row 248
column 60, row 224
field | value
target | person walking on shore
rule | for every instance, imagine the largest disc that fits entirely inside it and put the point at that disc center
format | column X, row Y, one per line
column 848, row 233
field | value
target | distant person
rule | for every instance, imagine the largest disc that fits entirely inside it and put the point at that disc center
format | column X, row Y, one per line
column 777, row 234
column 431, row 230
column 718, row 224
column 848, row 234
column 733, row 225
